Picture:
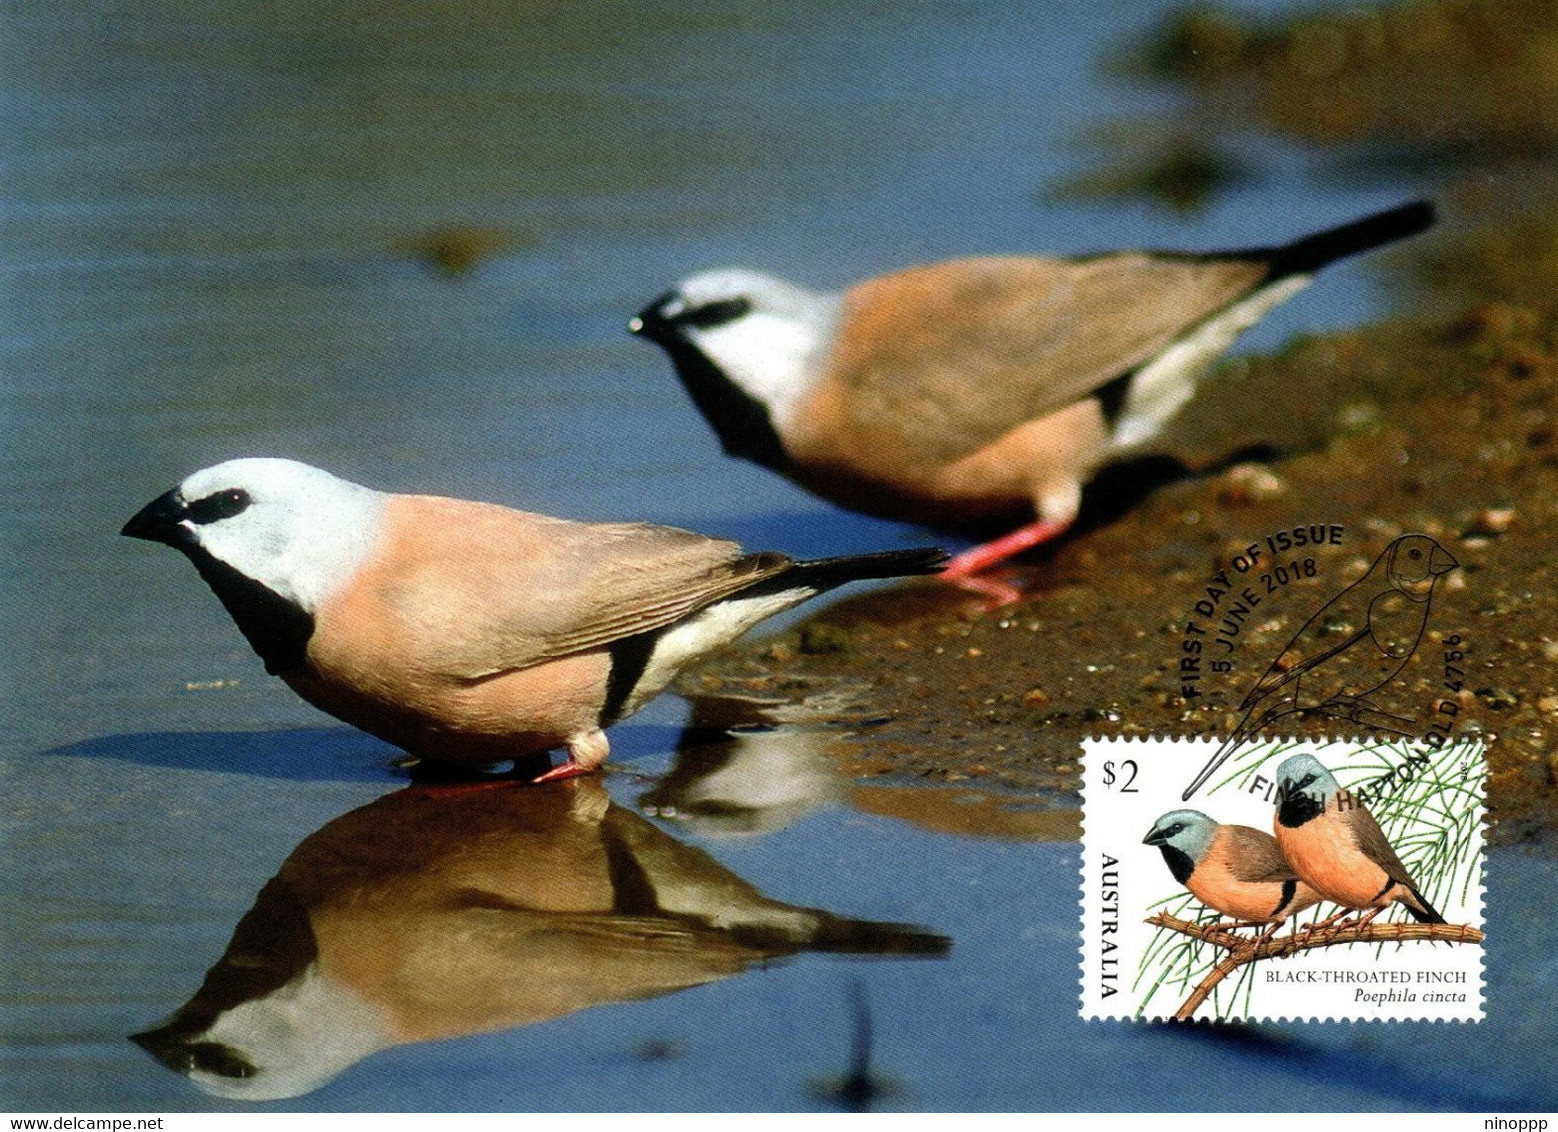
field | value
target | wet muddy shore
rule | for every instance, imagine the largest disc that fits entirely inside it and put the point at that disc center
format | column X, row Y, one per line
column 1442, row 428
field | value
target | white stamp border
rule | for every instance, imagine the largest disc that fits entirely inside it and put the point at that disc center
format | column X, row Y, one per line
column 1142, row 879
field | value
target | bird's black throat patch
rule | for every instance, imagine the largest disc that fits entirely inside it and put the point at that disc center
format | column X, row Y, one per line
column 741, row 421
column 277, row 629
column 1296, row 807
column 1179, row 863
column 273, row 944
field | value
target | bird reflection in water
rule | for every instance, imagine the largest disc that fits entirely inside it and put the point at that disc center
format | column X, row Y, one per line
column 429, row 914
column 749, row 766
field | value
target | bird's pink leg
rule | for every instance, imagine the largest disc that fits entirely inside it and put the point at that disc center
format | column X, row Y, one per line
column 1328, row 923
column 586, row 752
column 986, row 555
column 569, row 769
column 995, row 592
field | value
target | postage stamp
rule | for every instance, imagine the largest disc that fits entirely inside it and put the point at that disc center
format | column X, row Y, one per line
column 1306, row 879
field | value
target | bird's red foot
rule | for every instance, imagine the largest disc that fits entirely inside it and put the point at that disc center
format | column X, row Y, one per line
column 994, row 591
column 569, row 769
column 1334, row 923
column 986, row 555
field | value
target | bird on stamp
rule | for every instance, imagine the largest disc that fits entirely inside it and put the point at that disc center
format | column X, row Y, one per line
column 1234, row 870
column 1333, row 843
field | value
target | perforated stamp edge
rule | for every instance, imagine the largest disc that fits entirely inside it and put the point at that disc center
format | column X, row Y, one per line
column 1427, row 795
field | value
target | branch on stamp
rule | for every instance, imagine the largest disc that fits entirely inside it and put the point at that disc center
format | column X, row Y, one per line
column 1242, row 950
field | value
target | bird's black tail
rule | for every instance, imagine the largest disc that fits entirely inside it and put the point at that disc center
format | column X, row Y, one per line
column 1428, row 914
column 869, row 937
column 825, row 573
column 823, row 931
column 1313, row 252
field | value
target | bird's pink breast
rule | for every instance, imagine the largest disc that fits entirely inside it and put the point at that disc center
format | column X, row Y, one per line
column 1323, row 853
column 1215, row 885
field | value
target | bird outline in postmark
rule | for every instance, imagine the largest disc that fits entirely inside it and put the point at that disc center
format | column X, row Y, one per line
column 1350, row 649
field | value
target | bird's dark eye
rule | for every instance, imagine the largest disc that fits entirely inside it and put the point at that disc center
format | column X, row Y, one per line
column 1414, row 553
column 1175, row 828
column 716, row 313
column 219, row 505
column 1305, row 781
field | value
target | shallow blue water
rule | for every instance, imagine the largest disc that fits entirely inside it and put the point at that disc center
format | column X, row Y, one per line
column 116, row 940
column 202, row 216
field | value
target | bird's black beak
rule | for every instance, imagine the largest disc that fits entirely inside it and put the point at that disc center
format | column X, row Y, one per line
column 655, row 321
column 162, row 1045
column 1156, row 837
column 1441, row 561
column 164, row 519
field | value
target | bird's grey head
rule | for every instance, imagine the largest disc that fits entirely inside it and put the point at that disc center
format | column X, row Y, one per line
column 1189, row 831
column 296, row 530
column 762, row 338
column 1304, row 788
column 1304, row 774
column 1414, row 562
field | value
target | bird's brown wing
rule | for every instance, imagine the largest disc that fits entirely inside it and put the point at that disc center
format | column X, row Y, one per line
column 478, row 589
column 470, row 970
column 952, row 356
column 1254, row 857
column 637, row 956
column 1371, row 842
